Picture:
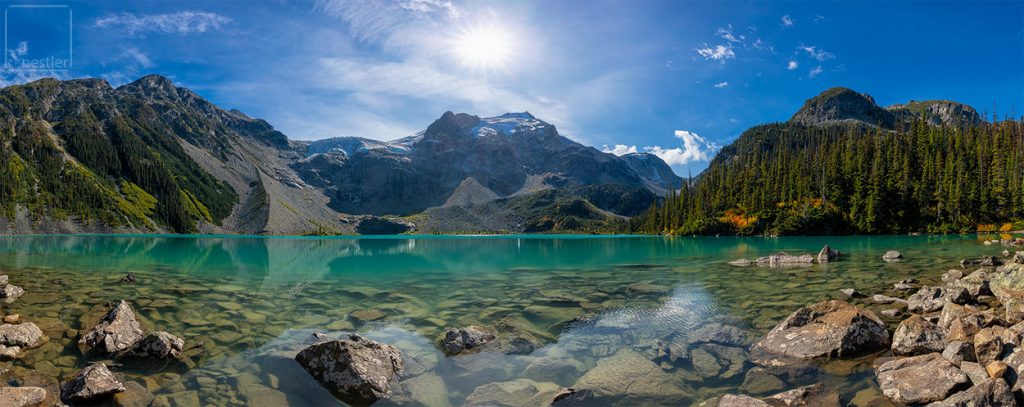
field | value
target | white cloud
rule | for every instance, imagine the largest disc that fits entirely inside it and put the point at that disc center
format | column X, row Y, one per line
column 721, row 84
column 792, row 65
column 182, row 23
column 619, row 149
column 815, row 71
column 694, row 148
column 137, row 56
column 787, row 21
column 815, row 52
column 718, row 53
column 17, row 52
column 726, row 34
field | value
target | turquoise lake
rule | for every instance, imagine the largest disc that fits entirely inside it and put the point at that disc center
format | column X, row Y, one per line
column 585, row 311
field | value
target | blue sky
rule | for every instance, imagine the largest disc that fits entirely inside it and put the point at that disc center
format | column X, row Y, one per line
column 675, row 78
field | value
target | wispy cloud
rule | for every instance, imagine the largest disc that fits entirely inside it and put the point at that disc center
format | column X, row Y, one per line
column 719, row 53
column 721, row 84
column 792, row 65
column 787, row 21
column 134, row 54
column 815, row 71
column 180, row 23
column 726, row 34
column 619, row 149
column 815, row 52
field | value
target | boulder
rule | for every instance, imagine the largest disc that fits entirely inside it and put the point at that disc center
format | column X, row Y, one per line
column 827, row 254
column 815, row 395
column 718, row 333
column 458, row 340
column 630, row 374
column 734, row 400
column 785, row 259
column 952, row 276
column 885, row 299
column 892, row 255
column 825, row 329
column 976, row 283
column 850, row 292
column 515, row 393
column 157, row 345
column 25, row 336
column 974, row 371
column 927, row 299
column 988, row 261
column 117, row 331
column 1009, row 289
column 996, row 369
column 572, row 397
column 957, row 352
column 759, row 380
column 989, row 393
column 920, row 379
column 21, row 396
column 356, row 370
column 917, row 336
column 92, row 384
column 988, row 344
column 11, row 292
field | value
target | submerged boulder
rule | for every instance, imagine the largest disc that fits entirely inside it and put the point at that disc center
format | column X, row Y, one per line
column 917, row 336
column 515, row 393
column 117, row 331
column 91, row 384
column 829, row 328
column 458, row 340
column 920, row 379
column 356, row 370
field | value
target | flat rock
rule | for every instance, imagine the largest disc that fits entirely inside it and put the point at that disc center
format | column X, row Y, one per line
column 785, row 259
column 917, row 336
column 815, row 395
column 356, row 370
column 91, row 384
column 21, row 396
column 26, row 335
column 515, row 393
column 630, row 373
column 117, row 331
column 920, row 379
column 829, row 328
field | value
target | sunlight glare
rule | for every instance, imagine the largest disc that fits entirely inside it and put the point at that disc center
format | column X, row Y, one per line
column 485, row 47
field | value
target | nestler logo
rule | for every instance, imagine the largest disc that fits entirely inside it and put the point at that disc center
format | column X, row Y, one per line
column 37, row 37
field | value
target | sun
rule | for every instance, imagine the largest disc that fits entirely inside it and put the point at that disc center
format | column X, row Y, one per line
column 485, row 47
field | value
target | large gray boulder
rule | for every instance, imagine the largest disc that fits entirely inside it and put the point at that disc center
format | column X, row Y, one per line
column 917, row 336
column 117, row 331
column 458, row 340
column 92, row 384
column 25, row 335
column 1009, row 289
column 920, row 379
column 356, row 370
column 892, row 255
column 826, row 329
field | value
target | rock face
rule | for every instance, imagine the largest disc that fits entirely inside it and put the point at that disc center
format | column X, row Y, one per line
column 892, row 255
column 917, row 336
column 838, row 105
column 458, row 340
column 117, row 331
column 356, row 370
column 827, row 254
column 91, row 384
column 21, row 396
column 920, row 379
column 158, row 345
column 829, row 328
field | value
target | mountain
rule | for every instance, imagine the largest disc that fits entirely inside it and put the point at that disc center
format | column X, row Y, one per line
column 654, row 169
column 842, row 105
column 149, row 156
column 845, row 165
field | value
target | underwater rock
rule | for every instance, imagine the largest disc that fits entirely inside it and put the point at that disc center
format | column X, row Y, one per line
column 920, row 379
column 515, row 393
column 816, row 395
column 458, row 340
column 828, row 328
column 157, row 345
column 356, row 370
column 21, row 396
column 117, row 331
column 91, row 384
column 892, row 255
column 628, row 373
column 572, row 397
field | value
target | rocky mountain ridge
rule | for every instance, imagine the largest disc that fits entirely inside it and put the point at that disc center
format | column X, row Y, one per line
column 843, row 105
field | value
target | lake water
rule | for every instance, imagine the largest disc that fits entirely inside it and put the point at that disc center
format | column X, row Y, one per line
column 587, row 310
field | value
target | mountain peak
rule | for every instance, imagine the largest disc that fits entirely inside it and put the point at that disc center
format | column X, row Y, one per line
column 841, row 104
column 153, row 81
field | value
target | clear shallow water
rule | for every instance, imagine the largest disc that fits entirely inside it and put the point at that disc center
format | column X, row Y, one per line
column 595, row 309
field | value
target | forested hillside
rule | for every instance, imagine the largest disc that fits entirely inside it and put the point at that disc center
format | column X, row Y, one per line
column 791, row 178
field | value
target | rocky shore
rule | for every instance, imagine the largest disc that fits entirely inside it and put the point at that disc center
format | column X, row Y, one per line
column 955, row 340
